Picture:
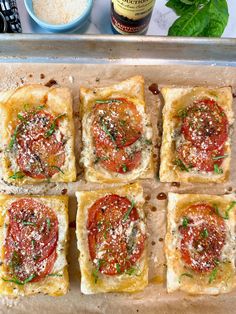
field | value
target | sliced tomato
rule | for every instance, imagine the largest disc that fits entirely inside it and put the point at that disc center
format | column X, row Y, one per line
column 203, row 237
column 32, row 235
column 205, row 125
column 114, row 236
column 203, row 160
column 42, row 158
column 118, row 160
column 118, row 123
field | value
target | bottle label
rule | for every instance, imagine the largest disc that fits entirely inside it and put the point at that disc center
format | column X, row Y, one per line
column 133, row 9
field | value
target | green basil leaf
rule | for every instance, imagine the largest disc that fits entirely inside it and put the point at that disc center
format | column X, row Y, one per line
column 126, row 215
column 178, row 6
column 192, row 23
column 219, row 15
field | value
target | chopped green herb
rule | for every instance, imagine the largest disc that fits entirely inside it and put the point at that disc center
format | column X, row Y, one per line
column 56, row 167
column 105, row 234
column 213, row 275
column 13, row 138
column 55, row 275
column 15, row 260
column 182, row 113
column 105, row 129
column 205, row 233
column 129, row 211
column 185, row 275
column 95, row 275
column 122, row 122
column 19, row 282
column 97, row 159
column 40, row 107
column 220, row 157
column 20, row 117
column 48, row 221
column 118, row 268
column 124, row 168
column 217, row 169
column 131, row 271
column 99, row 225
column 53, row 125
column 107, row 101
column 148, row 142
column 226, row 215
column 181, row 165
column 17, row 175
column 33, row 243
column 28, row 223
column 185, row 222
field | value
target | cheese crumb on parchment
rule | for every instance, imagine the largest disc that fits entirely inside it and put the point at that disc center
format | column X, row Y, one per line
column 59, row 11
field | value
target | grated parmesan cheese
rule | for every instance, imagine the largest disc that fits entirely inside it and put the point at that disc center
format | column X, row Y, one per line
column 59, row 11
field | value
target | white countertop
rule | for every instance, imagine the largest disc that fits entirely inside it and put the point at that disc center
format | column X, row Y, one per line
column 99, row 23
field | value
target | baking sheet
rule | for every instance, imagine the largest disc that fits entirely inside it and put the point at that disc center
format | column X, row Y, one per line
column 154, row 299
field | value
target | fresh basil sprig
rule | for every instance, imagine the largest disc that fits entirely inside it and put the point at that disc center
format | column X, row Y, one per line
column 206, row 18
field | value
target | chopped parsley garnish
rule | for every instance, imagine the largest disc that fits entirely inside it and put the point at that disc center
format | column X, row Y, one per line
column 217, row 169
column 185, row 275
column 53, row 125
column 185, row 222
column 124, row 168
column 182, row 113
column 105, row 129
column 40, row 107
column 213, row 275
column 56, row 167
column 20, row 117
column 129, row 211
column 205, row 233
column 131, row 271
column 148, row 142
column 118, row 268
column 107, row 101
column 181, row 165
column 55, row 275
column 97, row 269
column 226, row 215
column 48, row 221
column 28, row 223
column 17, row 175
column 19, row 282
column 13, row 138
column 220, row 157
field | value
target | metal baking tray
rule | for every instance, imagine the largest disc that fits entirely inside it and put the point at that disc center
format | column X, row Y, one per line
column 116, row 49
column 74, row 60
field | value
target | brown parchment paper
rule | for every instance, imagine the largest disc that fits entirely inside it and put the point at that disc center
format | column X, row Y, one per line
column 154, row 299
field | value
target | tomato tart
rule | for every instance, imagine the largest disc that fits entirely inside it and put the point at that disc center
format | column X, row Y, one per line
column 111, row 237
column 37, row 135
column 196, row 134
column 200, row 244
column 33, row 237
column 116, row 132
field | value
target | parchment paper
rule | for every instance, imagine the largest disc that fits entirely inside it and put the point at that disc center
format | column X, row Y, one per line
column 154, row 299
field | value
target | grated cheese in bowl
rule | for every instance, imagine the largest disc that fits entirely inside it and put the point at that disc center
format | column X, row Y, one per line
column 59, row 11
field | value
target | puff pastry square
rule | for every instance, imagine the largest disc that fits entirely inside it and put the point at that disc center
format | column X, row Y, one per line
column 37, row 135
column 184, row 156
column 105, row 272
column 200, row 244
column 131, row 154
column 20, row 217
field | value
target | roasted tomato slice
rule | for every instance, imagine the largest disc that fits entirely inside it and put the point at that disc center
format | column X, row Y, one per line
column 117, row 123
column 42, row 158
column 205, row 124
column 32, row 235
column 118, row 160
column 203, row 160
column 203, row 237
column 40, row 152
column 115, row 239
